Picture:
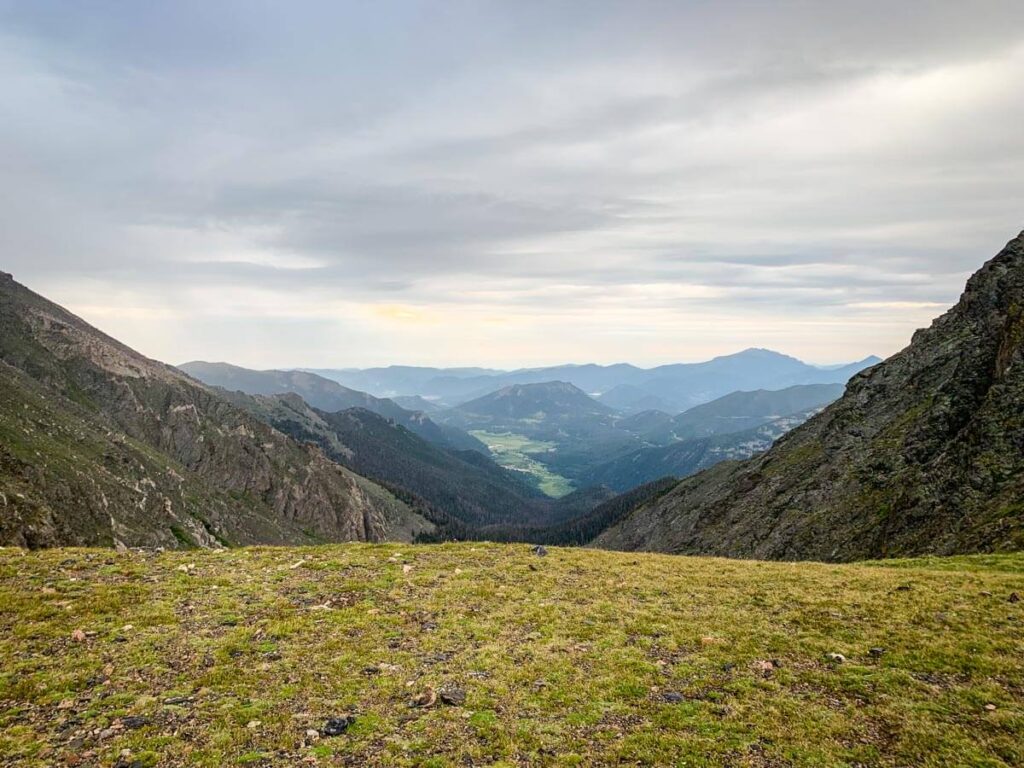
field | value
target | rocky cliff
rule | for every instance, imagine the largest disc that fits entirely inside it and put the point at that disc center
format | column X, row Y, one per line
column 101, row 445
column 924, row 453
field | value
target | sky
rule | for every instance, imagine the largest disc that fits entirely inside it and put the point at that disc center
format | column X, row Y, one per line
column 519, row 183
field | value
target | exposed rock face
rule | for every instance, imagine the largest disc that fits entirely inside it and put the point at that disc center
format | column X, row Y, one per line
column 100, row 445
column 923, row 454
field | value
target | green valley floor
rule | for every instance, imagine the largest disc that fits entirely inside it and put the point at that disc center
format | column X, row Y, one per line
column 480, row 654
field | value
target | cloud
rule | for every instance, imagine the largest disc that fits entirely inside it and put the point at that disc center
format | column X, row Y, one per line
column 485, row 183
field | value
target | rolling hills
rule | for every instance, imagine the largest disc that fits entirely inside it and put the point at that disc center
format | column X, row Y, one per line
column 736, row 412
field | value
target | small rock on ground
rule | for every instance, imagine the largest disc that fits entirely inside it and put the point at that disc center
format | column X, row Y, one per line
column 453, row 697
column 336, row 726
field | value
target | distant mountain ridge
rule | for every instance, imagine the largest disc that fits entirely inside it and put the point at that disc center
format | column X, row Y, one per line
column 924, row 453
column 739, row 411
column 557, row 400
column 672, row 388
column 327, row 395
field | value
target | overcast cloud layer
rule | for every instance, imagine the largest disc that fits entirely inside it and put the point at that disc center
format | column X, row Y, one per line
column 516, row 183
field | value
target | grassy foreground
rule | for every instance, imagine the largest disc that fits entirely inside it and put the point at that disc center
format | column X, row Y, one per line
column 579, row 658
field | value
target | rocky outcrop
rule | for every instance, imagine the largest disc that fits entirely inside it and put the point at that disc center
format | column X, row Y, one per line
column 924, row 453
column 101, row 445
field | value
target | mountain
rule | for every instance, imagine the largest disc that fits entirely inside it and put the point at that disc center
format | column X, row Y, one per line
column 327, row 395
column 579, row 430
column 671, row 388
column 548, row 402
column 463, row 485
column 606, row 508
column 593, row 445
column 924, row 453
column 739, row 411
column 735, row 412
column 632, row 398
column 401, row 379
column 681, row 386
column 102, row 446
column 687, row 457
column 464, row 493
column 417, row 403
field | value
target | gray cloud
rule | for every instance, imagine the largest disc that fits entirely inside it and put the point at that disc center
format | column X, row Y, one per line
column 802, row 170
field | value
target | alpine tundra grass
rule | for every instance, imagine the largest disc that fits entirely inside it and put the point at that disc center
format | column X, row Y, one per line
column 480, row 654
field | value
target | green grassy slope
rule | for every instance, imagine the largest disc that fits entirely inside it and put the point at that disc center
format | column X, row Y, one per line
column 240, row 657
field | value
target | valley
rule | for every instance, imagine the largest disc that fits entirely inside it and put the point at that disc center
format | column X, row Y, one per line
column 102, row 446
column 511, row 385
column 518, row 453
column 216, row 455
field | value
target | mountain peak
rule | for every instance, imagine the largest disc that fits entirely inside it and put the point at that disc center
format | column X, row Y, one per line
column 552, row 399
column 551, row 387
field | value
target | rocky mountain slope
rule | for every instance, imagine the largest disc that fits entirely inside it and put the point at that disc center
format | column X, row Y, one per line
column 923, row 454
column 100, row 445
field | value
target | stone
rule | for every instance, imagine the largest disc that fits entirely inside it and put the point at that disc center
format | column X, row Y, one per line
column 452, row 696
column 335, row 726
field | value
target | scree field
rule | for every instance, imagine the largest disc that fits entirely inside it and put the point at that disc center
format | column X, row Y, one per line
column 479, row 654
